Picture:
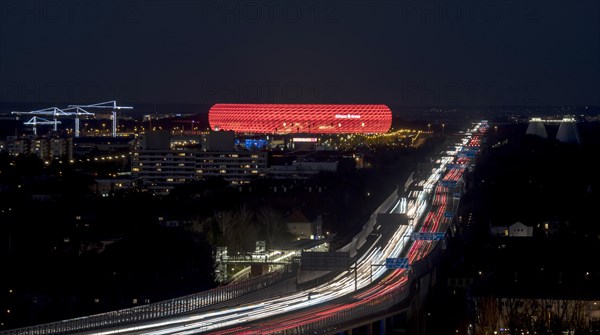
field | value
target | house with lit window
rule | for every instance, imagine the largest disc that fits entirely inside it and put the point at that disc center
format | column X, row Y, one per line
column 518, row 229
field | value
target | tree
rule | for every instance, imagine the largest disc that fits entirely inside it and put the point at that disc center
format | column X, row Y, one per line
column 226, row 222
column 245, row 231
column 487, row 314
column 272, row 224
column 513, row 314
column 238, row 229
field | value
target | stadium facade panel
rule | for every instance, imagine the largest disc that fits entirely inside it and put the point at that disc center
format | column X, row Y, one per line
column 300, row 118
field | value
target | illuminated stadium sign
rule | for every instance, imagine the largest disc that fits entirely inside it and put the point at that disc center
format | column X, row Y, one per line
column 305, row 139
column 300, row 118
column 347, row 116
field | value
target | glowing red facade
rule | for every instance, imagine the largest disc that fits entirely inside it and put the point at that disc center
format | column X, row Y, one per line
column 300, row 118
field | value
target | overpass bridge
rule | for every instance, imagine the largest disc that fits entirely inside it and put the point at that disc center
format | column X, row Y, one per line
column 273, row 304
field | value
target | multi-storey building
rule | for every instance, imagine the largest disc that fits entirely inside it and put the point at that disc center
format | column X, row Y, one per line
column 235, row 166
column 45, row 148
column 161, row 168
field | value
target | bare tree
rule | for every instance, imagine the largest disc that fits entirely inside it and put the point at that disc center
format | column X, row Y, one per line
column 545, row 315
column 245, row 230
column 513, row 314
column 272, row 223
column 487, row 310
column 568, row 315
column 534, row 309
column 238, row 229
column 579, row 319
column 226, row 221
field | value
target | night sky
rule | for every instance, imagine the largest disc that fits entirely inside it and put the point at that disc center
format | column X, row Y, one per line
column 394, row 52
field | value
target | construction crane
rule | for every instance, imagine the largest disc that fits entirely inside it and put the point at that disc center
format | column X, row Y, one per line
column 78, row 112
column 54, row 111
column 108, row 104
column 35, row 121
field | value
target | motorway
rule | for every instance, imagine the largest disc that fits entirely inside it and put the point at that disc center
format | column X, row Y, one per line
column 429, row 207
column 425, row 210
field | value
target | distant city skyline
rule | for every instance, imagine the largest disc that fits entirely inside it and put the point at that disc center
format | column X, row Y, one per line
column 404, row 53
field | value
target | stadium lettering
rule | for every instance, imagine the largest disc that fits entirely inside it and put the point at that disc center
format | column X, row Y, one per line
column 347, row 116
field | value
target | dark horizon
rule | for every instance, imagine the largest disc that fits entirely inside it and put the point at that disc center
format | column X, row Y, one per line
column 399, row 111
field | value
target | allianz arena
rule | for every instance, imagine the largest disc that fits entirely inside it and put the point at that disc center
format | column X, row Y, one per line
column 300, row 118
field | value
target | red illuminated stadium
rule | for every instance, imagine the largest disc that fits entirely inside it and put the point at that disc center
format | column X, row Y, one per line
column 300, row 118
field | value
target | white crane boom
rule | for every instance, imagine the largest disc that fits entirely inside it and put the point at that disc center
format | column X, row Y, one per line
column 35, row 121
column 77, row 111
column 108, row 104
column 54, row 111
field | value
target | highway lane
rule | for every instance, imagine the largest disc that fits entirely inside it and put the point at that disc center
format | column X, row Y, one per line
column 324, row 298
column 434, row 219
column 397, row 278
column 340, row 286
column 393, row 280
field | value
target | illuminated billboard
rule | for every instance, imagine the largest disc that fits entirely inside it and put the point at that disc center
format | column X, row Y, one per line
column 300, row 118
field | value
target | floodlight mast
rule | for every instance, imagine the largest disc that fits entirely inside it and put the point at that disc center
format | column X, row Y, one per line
column 108, row 104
